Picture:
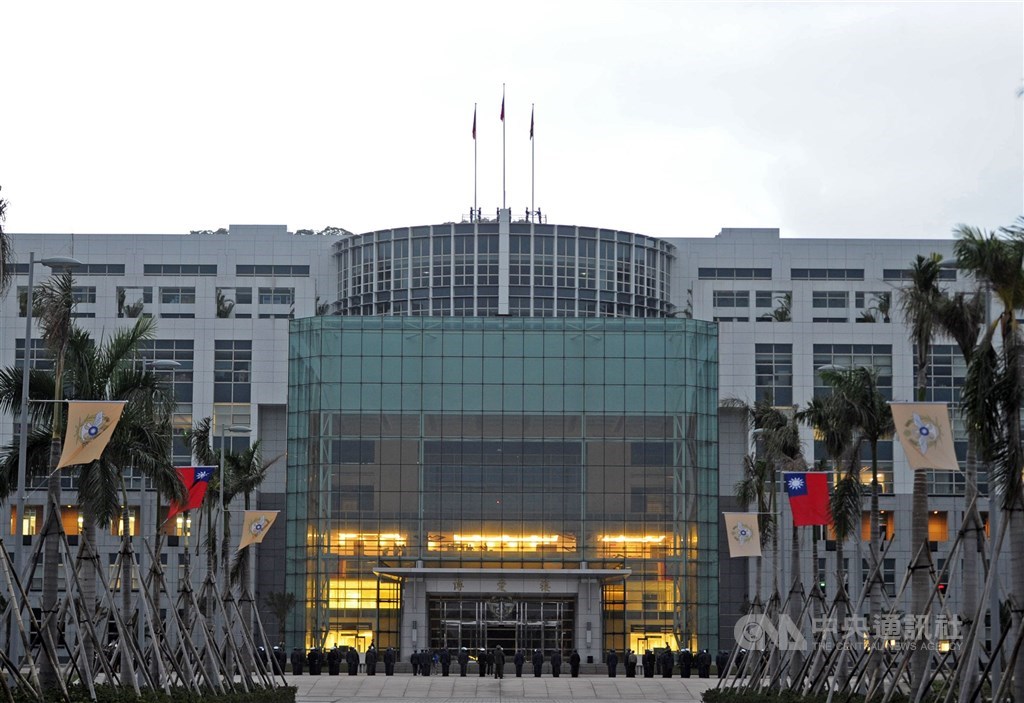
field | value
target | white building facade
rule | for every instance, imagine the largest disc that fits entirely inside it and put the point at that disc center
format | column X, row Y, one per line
column 785, row 308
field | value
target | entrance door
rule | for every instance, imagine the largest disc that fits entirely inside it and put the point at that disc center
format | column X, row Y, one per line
column 513, row 622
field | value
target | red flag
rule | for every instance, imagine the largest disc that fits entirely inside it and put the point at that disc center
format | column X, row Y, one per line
column 474, row 124
column 531, row 123
column 196, row 480
column 808, row 498
column 502, row 108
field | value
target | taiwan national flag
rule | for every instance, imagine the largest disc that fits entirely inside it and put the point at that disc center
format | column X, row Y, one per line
column 808, row 498
column 196, row 480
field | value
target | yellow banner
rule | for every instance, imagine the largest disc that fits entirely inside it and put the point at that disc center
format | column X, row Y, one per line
column 926, row 434
column 255, row 526
column 744, row 534
column 90, row 426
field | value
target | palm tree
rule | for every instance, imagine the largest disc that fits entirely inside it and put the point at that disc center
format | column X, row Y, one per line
column 961, row 317
column 280, row 604
column 868, row 413
column 994, row 389
column 109, row 371
column 6, row 251
column 921, row 303
column 224, row 305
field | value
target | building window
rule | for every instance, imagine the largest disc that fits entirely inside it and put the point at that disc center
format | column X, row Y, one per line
column 945, row 274
column 830, row 299
column 938, row 526
column 178, row 296
column 132, row 301
column 277, row 296
column 40, row 358
column 734, row 274
column 232, row 371
column 773, row 373
column 179, row 380
column 83, row 294
column 731, row 298
column 519, row 261
column 250, row 270
column 848, row 356
column 827, row 274
column 98, row 270
column 179, row 269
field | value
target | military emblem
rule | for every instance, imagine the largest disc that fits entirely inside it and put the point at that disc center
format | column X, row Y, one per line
column 92, row 427
column 922, row 432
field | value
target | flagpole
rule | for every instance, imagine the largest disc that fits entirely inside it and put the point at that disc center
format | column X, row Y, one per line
column 503, row 191
column 473, row 214
column 533, row 163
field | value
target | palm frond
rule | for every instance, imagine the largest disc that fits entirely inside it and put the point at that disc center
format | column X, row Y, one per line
column 846, row 505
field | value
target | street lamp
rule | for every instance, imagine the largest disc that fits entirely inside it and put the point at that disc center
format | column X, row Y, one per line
column 228, row 430
column 56, row 263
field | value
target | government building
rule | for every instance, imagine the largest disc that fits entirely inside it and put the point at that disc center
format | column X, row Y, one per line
column 499, row 431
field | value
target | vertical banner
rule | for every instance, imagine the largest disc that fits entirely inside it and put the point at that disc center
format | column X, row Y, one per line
column 926, row 434
column 744, row 534
column 90, row 425
column 255, row 526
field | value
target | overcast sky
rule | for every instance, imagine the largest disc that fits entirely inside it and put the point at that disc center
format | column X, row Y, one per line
column 668, row 118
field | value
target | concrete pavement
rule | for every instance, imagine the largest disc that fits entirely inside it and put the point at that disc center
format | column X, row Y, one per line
column 405, row 688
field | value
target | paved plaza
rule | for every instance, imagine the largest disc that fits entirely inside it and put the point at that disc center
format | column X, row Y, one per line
column 454, row 689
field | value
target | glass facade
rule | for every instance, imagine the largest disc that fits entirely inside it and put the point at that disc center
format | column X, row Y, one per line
column 502, row 267
column 469, row 481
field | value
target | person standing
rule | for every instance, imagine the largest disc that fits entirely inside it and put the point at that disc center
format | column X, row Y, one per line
column 519, row 659
column 463, row 660
column 630, row 664
column 298, row 659
column 538, row 662
column 389, row 662
column 446, row 661
column 313, row 659
column 499, row 662
column 415, row 661
column 574, row 664
column 556, row 663
column 647, row 662
column 704, row 664
column 426, row 662
column 721, row 662
column 371, row 661
column 481, row 662
column 685, row 662
column 613, row 663
column 667, row 661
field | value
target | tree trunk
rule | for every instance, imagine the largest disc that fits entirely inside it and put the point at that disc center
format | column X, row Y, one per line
column 974, row 535
column 127, row 668
column 52, row 530
column 874, row 586
column 85, row 565
column 796, row 599
column 920, row 577
column 842, row 613
column 1015, row 515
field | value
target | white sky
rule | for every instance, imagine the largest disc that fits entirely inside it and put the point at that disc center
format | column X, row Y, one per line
column 666, row 118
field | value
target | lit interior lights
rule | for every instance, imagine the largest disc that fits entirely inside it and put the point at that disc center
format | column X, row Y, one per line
column 500, row 543
column 623, row 539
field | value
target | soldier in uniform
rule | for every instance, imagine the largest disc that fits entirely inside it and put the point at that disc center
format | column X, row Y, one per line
column 574, row 664
column 415, row 661
column 498, row 656
column 648, row 663
column 612, row 660
column 519, row 659
column 630, row 664
column 463, row 659
column 389, row 662
column 685, row 663
column 667, row 661
column 298, row 660
column 704, row 664
column 556, row 663
column 314, row 659
column 371, row 661
column 538, row 662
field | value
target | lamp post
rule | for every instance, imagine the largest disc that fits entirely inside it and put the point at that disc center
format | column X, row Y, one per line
column 48, row 673
column 55, row 262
